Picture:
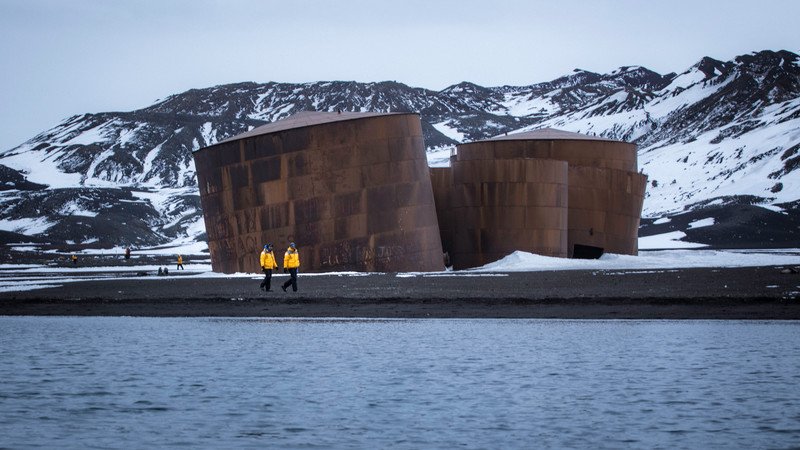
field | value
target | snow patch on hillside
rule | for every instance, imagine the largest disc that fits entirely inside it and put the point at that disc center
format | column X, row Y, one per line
column 683, row 173
column 527, row 105
column 674, row 98
column 447, row 130
column 41, row 167
column 673, row 239
column 129, row 136
column 74, row 208
column 702, row 223
column 90, row 136
column 209, row 134
column 26, row 226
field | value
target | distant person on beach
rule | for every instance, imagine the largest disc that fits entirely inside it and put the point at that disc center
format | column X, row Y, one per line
column 127, row 253
column 74, row 259
column 291, row 261
column 180, row 263
column 267, row 264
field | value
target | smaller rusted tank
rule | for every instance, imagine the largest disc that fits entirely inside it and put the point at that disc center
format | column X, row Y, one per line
column 547, row 192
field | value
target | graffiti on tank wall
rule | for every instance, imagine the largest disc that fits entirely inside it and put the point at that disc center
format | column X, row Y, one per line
column 220, row 230
column 346, row 254
column 247, row 244
column 247, row 221
column 340, row 254
column 384, row 253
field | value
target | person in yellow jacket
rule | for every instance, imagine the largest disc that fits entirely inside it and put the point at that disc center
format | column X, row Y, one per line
column 267, row 264
column 291, row 261
column 180, row 263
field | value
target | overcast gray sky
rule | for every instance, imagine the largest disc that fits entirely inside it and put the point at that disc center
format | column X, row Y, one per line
column 65, row 57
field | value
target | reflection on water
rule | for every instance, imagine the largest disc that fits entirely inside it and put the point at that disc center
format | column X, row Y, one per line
column 227, row 383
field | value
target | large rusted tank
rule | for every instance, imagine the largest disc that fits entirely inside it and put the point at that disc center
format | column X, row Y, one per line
column 548, row 192
column 352, row 190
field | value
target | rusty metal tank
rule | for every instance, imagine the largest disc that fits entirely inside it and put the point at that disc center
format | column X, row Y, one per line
column 352, row 190
column 549, row 192
column 491, row 207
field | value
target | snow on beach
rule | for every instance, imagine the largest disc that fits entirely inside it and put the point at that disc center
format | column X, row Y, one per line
column 28, row 276
column 647, row 260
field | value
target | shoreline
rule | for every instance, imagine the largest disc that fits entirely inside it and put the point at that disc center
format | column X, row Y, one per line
column 755, row 293
column 405, row 308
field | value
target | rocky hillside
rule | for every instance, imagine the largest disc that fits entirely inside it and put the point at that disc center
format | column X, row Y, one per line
column 717, row 133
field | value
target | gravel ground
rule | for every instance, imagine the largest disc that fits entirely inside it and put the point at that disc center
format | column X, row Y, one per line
column 719, row 293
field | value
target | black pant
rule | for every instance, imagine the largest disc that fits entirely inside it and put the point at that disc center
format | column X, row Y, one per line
column 267, row 278
column 292, row 280
column 180, row 266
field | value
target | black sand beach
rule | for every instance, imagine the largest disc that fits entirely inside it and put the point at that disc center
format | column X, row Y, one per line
column 719, row 293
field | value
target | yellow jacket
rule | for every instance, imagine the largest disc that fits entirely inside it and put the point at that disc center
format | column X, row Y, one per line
column 291, row 259
column 180, row 259
column 268, row 260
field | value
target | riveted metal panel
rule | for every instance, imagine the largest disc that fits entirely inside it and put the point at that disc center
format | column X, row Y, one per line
column 546, row 194
column 381, row 222
column 274, row 216
column 381, row 198
column 312, row 210
column 261, row 147
column 295, row 140
column 579, row 152
column 403, row 148
column 266, row 169
column 337, row 158
column 605, row 208
column 352, row 225
column 371, row 152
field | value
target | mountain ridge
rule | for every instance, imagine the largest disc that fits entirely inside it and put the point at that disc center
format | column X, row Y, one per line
column 718, row 130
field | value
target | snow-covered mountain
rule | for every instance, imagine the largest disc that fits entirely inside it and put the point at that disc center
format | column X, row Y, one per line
column 716, row 133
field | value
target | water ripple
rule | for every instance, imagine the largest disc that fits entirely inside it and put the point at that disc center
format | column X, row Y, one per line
column 232, row 383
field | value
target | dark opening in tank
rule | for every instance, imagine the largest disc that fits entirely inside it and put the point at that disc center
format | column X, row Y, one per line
column 580, row 251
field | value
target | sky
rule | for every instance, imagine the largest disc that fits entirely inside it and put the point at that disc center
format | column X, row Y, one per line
column 60, row 58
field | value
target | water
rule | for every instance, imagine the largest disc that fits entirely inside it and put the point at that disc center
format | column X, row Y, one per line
column 232, row 383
